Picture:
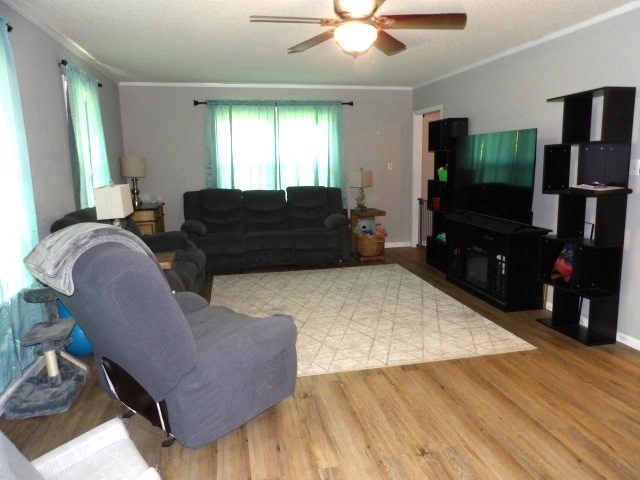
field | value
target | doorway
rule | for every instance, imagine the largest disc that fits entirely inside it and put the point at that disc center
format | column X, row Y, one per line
column 422, row 172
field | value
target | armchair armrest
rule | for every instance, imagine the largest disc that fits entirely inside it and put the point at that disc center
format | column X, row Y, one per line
column 194, row 227
column 336, row 220
column 160, row 242
column 190, row 302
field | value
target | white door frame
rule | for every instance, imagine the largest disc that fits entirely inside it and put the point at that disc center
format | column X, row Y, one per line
column 418, row 145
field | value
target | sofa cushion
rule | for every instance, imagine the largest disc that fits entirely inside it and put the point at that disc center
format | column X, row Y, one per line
column 274, row 240
column 307, row 206
column 334, row 199
column 221, row 210
column 222, row 243
column 315, row 238
column 265, row 210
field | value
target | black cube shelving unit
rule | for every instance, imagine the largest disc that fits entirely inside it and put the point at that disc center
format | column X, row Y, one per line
column 443, row 135
column 597, row 255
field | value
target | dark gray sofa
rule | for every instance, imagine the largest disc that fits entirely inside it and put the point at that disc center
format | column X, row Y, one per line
column 240, row 230
column 188, row 274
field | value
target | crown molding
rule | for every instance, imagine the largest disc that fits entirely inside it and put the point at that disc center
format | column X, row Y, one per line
column 261, row 85
column 542, row 40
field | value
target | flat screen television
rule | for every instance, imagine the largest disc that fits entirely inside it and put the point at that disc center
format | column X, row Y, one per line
column 494, row 174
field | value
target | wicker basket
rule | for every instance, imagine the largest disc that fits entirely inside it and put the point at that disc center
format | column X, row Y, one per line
column 370, row 245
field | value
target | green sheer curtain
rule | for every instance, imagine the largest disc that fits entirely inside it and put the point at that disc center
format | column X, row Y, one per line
column 274, row 145
column 18, row 215
column 90, row 164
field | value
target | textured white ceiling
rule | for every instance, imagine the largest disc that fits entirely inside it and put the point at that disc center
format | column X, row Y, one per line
column 212, row 41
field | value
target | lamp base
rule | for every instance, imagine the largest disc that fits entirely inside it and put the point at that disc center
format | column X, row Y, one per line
column 360, row 199
column 135, row 191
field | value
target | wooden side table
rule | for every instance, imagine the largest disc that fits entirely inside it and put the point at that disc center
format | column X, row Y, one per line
column 150, row 218
column 166, row 260
column 356, row 214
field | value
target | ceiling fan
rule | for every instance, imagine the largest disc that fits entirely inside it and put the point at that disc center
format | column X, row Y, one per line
column 358, row 27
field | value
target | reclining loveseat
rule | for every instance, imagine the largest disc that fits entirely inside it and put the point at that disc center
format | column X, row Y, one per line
column 240, row 230
column 187, row 274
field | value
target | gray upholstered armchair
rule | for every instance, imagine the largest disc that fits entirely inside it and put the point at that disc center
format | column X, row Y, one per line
column 197, row 371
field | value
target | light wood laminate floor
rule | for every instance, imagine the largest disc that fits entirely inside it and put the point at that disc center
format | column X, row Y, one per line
column 562, row 411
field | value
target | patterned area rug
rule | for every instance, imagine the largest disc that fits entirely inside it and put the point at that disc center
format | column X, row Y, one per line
column 355, row 318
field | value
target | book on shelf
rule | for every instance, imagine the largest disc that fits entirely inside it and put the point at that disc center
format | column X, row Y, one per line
column 598, row 187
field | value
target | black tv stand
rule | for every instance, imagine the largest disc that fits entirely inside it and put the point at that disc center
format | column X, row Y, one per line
column 495, row 259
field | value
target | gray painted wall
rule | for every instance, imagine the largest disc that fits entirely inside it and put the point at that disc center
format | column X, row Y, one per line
column 511, row 93
column 37, row 56
column 161, row 124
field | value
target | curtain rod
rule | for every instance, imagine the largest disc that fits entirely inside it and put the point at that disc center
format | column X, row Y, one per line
column 198, row 102
column 64, row 62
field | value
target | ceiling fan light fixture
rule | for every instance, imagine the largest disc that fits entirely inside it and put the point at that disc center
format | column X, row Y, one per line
column 355, row 38
column 355, row 8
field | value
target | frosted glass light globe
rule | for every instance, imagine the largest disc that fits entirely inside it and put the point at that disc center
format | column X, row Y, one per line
column 355, row 38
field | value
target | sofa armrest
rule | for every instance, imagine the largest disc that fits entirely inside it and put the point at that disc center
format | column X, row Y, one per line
column 336, row 220
column 163, row 241
column 194, row 227
column 106, row 449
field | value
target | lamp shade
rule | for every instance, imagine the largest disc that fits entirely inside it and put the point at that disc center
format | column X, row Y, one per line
column 133, row 167
column 112, row 201
column 361, row 179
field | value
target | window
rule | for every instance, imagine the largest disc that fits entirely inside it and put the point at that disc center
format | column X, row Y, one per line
column 20, row 234
column 90, row 164
column 274, row 145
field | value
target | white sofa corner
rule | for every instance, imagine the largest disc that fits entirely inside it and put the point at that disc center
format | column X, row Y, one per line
column 103, row 453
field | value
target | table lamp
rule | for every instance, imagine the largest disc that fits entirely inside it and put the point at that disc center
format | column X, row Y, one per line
column 113, row 202
column 134, row 168
column 361, row 180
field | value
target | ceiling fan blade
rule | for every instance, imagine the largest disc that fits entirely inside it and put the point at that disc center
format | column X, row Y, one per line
column 388, row 44
column 435, row 20
column 311, row 42
column 275, row 19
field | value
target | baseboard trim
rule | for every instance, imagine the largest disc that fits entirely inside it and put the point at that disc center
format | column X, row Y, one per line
column 628, row 340
column 33, row 369
column 623, row 338
column 397, row 244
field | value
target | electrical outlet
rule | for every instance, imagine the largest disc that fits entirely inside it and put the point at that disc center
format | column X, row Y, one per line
column 635, row 167
column 390, row 166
